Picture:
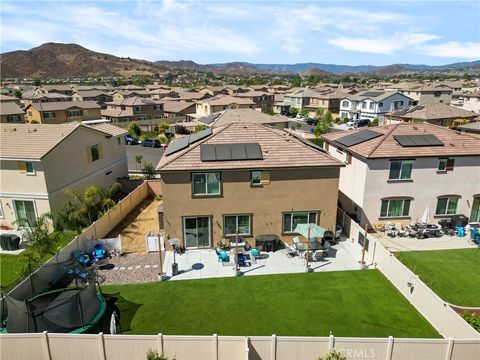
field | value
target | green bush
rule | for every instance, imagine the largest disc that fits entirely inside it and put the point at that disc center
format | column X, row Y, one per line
column 333, row 355
column 163, row 139
column 153, row 355
column 472, row 319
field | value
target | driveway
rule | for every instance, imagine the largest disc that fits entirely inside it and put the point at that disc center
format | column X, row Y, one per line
column 151, row 155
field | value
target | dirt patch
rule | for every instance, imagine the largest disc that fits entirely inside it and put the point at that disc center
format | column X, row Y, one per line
column 136, row 225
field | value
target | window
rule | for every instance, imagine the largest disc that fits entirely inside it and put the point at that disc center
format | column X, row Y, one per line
column 345, row 103
column 401, row 170
column 442, row 165
column 1, row 211
column 395, row 208
column 13, row 118
column 447, row 206
column 437, row 94
column 380, row 104
column 94, row 152
column 29, row 113
column 364, row 105
column 291, row 220
column 48, row 114
column 371, row 105
column 450, row 164
column 474, row 216
column 232, row 223
column 29, row 168
column 138, row 108
column 256, row 177
column 206, row 184
column 74, row 113
column 157, row 107
column 25, row 210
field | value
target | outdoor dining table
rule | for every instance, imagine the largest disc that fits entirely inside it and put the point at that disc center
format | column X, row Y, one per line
column 314, row 245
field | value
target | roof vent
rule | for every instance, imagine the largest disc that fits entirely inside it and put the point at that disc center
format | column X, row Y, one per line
column 416, row 128
column 451, row 144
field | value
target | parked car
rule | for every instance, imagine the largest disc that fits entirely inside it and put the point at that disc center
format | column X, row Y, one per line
column 351, row 122
column 361, row 123
column 338, row 231
column 311, row 121
column 130, row 140
column 154, row 143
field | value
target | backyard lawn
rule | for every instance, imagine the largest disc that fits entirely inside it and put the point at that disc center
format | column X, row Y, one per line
column 453, row 274
column 13, row 268
column 348, row 303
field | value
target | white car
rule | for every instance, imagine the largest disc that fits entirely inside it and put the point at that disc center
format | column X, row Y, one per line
column 351, row 122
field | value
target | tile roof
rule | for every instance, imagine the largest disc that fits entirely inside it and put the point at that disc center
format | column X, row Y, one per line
column 187, row 95
column 385, row 146
column 220, row 100
column 249, row 94
column 10, row 108
column 230, row 116
column 91, row 93
column 57, row 87
column 34, row 141
column 64, row 105
column 108, row 129
column 131, row 101
column 7, row 98
column 432, row 111
column 279, row 149
column 177, row 106
column 45, row 95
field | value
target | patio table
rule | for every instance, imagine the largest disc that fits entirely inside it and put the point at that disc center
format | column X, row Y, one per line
column 313, row 246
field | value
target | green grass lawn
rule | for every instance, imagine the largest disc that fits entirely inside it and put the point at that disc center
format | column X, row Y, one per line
column 348, row 303
column 453, row 274
column 13, row 268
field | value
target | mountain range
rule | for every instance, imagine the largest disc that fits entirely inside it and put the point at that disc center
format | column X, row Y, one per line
column 54, row 60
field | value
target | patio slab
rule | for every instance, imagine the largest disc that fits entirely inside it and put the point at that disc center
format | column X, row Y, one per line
column 203, row 263
column 444, row 242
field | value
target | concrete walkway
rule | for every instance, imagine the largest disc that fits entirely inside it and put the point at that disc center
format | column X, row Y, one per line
column 203, row 263
column 444, row 242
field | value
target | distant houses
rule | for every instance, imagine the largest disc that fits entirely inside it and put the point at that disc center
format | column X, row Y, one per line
column 59, row 112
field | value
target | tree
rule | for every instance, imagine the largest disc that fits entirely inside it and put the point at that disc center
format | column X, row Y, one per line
column 37, row 235
column 319, row 113
column 199, row 128
column 163, row 127
column 148, row 170
column 304, row 112
column 324, row 125
column 292, row 111
column 328, row 117
column 134, row 129
column 375, row 122
column 18, row 94
column 138, row 159
column 37, row 82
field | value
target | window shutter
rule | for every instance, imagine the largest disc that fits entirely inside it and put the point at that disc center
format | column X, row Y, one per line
column 89, row 154
column 450, row 164
column 265, row 178
column 22, row 167
column 100, row 151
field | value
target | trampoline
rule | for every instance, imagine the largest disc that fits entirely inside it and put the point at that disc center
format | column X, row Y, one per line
column 67, row 302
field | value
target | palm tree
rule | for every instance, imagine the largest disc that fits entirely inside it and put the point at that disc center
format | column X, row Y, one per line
column 138, row 160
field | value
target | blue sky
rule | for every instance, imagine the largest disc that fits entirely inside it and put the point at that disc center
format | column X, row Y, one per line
column 339, row 32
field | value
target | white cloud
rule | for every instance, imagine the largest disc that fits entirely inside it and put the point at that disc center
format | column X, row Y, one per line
column 381, row 45
column 454, row 49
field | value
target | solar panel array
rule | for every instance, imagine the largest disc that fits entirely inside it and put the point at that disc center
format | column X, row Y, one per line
column 185, row 141
column 358, row 137
column 229, row 152
column 418, row 140
column 372, row 93
column 208, row 119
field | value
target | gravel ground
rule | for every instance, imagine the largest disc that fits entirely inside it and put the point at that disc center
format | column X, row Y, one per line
column 131, row 268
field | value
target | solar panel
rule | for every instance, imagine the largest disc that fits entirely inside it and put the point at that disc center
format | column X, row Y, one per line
column 418, row 140
column 200, row 135
column 372, row 93
column 208, row 119
column 357, row 138
column 178, row 145
column 226, row 152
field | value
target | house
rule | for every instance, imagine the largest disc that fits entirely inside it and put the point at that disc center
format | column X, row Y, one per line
column 326, row 100
column 132, row 109
column 394, row 172
column 471, row 102
column 247, row 177
column 214, row 90
column 422, row 94
column 99, row 96
column 222, row 102
column 372, row 104
column 124, row 94
column 472, row 129
column 62, row 111
column 263, row 100
column 162, row 93
column 10, row 112
column 434, row 113
column 59, row 89
column 279, row 105
column 298, row 99
column 232, row 116
column 7, row 99
column 42, row 97
column 65, row 156
column 172, row 109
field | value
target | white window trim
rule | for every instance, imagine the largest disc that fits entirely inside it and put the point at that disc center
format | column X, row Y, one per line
column 401, row 170
column 292, row 231
column 206, row 185
column 2, row 214
column 446, row 207
column 445, row 166
column 236, row 216
column 32, row 173
column 386, row 216
column 251, row 178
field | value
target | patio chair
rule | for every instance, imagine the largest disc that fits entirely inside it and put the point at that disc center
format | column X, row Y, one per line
column 296, row 240
column 318, row 255
column 222, row 256
column 243, row 261
column 291, row 250
column 255, row 252
column 98, row 252
column 326, row 248
column 82, row 259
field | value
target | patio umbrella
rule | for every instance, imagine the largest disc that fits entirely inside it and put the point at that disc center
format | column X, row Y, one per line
column 426, row 216
column 309, row 231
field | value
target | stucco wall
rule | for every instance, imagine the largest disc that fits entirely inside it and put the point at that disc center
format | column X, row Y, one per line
column 289, row 190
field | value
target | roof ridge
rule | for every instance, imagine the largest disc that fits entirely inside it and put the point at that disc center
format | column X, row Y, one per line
column 387, row 134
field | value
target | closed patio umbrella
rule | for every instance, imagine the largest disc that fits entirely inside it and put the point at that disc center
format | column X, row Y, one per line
column 309, row 231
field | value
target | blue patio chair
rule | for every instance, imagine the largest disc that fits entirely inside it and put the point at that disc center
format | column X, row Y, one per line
column 82, row 259
column 98, row 252
column 460, row 231
column 222, row 256
column 475, row 235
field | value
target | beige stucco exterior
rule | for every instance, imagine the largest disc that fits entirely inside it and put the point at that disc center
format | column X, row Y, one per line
column 66, row 166
column 61, row 116
column 308, row 189
column 422, row 97
column 204, row 108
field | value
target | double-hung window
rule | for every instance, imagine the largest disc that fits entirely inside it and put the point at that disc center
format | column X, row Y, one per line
column 292, row 219
column 395, row 208
column 256, row 177
column 234, row 223
column 447, row 205
column 401, row 170
column 205, row 184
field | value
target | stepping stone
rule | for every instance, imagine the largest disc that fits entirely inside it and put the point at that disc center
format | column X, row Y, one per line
column 130, row 268
column 154, row 266
column 122, row 268
column 147, row 266
column 137, row 267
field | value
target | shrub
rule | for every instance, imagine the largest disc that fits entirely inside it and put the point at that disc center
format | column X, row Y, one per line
column 134, row 129
column 153, row 355
column 148, row 169
column 472, row 319
column 333, row 355
column 163, row 139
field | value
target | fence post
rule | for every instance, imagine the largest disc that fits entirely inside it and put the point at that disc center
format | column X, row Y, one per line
column 101, row 346
column 331, row 343
column 448, row 355
column 247, row 348
column 273, row 347
column 160, row 343
column 215, row 346
column 389, row 348
column 46, row 346
column 109, row 220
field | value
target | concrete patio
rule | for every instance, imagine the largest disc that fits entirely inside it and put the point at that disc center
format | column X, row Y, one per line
column 203, row 263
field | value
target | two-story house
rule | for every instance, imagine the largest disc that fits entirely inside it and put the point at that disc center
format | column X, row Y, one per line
column 395, row 172
column 245, row 178
column 222, row 102
column 326, row 100
column 470, row 102
column 99, row 96
column 372, row 104
column 59, row 89
column 39, row 162
column 132, row 109
column 299, row 98
column 262, row 99
column 62, row 111
column 421, row 94
column 124, row 94
column 44, row 97
column 10, row 112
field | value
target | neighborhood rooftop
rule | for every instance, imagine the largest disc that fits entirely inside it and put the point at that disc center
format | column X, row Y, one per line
column 279, row 149
column 64, row 105
column 386, row 146
column 241, row 115
column 431, row 111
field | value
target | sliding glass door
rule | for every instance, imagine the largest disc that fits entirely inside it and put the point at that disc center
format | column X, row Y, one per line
column 475, row 215
column 25, row 210
column 196, row 232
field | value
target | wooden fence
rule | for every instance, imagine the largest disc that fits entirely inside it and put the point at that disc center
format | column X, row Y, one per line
column 117, row 347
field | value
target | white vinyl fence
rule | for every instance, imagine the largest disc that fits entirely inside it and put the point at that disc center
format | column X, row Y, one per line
column 119, row 347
